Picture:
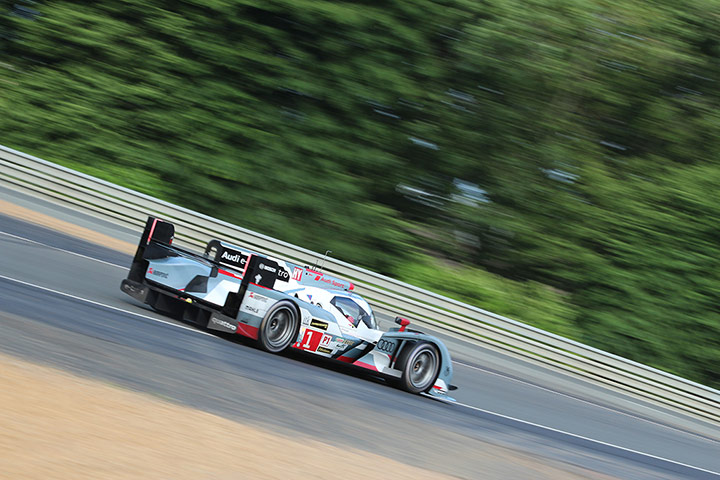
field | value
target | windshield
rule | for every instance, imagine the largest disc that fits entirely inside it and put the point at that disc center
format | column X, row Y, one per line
column 354, row 312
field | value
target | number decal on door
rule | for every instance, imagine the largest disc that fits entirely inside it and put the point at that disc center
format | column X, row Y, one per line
column 307, row 339
column 312, row 339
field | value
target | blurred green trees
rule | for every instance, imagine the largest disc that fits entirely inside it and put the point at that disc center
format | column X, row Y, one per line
column 555, row 159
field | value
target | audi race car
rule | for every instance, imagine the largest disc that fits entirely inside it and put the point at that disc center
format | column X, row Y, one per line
column 282, row 306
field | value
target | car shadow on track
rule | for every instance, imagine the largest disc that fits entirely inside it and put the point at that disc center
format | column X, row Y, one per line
column 298, row 356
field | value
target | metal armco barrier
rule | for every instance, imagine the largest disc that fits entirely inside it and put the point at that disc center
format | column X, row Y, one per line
column 389, row 296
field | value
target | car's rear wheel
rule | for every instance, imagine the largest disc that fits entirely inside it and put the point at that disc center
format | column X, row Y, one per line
column 421, row 368
column 279, row 327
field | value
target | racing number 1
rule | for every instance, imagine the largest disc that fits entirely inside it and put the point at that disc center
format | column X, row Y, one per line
column 307, row 340
column 312, row 339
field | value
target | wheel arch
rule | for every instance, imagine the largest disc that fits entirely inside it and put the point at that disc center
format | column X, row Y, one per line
column 409, row 340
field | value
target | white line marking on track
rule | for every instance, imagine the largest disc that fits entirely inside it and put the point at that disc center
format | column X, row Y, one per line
column 457, row 363
column 194, row 330
column 61, row 250
column 75, row 297
column 580, row 437
column 588, row 402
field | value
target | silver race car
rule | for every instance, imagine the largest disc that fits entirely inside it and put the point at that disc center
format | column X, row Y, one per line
column 282, row 306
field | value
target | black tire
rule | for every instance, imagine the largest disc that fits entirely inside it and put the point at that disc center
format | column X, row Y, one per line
column 421, row 368
column 279, row 328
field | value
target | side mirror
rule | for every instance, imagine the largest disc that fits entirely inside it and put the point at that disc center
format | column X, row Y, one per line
column 403, row 322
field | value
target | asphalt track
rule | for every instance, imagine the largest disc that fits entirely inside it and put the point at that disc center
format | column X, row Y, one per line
column 60, row 304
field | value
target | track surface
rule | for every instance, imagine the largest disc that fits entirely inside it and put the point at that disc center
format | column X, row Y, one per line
column 47, row 314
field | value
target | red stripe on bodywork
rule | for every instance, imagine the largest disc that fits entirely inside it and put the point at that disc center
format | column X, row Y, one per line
column 152, row 229
column 366, row 365
column 229, row 274
column 247, row 331
column 247, row 264
column 345, row 359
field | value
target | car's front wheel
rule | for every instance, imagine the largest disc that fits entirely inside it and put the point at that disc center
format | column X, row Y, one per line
column 279, row 327
column 421, row 368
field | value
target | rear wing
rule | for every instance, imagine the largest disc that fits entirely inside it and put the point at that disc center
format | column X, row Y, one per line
column 216, row 280
column 155, row 230
column 245, row 264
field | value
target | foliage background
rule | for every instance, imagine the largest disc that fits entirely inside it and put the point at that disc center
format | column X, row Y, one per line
column 551, row 160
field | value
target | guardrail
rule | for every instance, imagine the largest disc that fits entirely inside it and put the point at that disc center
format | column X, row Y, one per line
column 387, row 295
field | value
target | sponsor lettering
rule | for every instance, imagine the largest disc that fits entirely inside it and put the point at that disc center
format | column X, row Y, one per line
column 330, row 281
column 223, row 323
column 283, row 275
column 324, row 350
column 386, row 346
column 258, row 297
column 236, row 258
column 251, row 309
column 262, row 266
column 152, row 271
column 319, row 324
column 297, row 274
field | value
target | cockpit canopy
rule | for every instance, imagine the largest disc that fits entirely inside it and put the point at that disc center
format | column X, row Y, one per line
column 351, row 307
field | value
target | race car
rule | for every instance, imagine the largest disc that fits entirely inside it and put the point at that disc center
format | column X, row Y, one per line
column 282, row 306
